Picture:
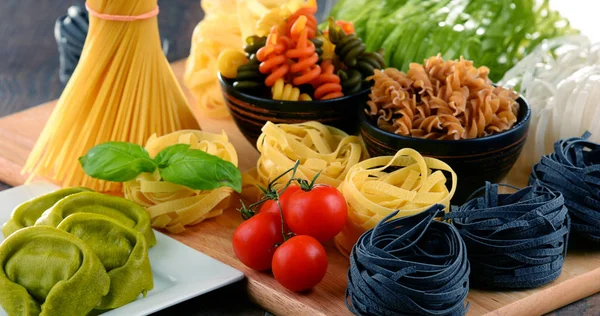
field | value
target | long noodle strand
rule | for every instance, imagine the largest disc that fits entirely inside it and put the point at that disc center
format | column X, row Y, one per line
column 122, row 90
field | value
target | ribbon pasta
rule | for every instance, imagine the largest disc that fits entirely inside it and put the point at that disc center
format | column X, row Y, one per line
column 318, row 148
column 172, row 206
column 373, row 192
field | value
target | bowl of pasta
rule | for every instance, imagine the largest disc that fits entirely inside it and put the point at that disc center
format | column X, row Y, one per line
column 294, row 73
column 250, row 113
column 451, row 111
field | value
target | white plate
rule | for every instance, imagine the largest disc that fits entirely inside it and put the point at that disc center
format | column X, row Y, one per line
column 180, row 272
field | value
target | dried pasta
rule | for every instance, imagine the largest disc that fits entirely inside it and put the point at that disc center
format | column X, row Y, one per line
column 317, row 146
column 218, row 31
column 305, row 59
column 373, row 191
column 309, row 10
column 272, row 57
column 287, row 92
column 172, row 206
column 122, row 90
column 225, row 25
column 441, row 100
column 327, row 85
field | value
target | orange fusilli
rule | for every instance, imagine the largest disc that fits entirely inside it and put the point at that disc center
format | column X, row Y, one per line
column 327, row 85
column 305, row 60
column 273, row 58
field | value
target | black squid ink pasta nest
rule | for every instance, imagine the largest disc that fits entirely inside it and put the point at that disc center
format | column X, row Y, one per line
column 574, row 170
column 412, row 265
column 516, row 240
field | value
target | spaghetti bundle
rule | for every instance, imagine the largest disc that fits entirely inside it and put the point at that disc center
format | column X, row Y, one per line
column 318, row 147
column 376, row 187
column 172, row 206
column 122, row 90
column 441, row 100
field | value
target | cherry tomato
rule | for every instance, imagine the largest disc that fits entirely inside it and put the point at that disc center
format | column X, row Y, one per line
column 271, row 206
column 300, row 263
column 320, row 212
column 254, row 241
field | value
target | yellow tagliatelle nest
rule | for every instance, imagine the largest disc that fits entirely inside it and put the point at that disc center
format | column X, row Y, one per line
column 376, row 187
column 172, row 206
column 318, row 148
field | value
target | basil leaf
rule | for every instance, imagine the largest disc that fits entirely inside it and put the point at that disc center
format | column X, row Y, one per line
column 116, row 161
column 163, row 157
column 198, row 170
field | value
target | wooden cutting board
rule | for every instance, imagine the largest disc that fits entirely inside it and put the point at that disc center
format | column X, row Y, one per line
column 580, row 276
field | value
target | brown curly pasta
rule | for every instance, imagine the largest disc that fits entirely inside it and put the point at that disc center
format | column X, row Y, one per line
column 441, row 100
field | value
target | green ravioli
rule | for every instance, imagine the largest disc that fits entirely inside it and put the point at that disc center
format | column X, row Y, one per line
column 27, row 213
column 122, row 250
column 119, row 209
column 46, row 271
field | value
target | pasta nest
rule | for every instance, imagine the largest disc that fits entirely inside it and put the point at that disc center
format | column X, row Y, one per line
column 318, row 147
column 172, row 206
column 377, row 187
column 441, row 100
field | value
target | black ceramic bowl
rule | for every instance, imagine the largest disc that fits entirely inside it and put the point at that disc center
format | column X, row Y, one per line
column 474, row 160
column 250, row 113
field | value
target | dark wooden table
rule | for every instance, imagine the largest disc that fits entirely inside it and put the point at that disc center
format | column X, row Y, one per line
column 29, row 76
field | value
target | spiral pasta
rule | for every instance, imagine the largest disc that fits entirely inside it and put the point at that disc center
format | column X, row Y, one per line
column 369, row 61
column 351, row 81
column 287, row 92
column 327, row 85
column 373, row 191
column 308, row 10
column 249, row 77
column 171, row 206
column 229, row 62
column 226, row 23
column 441, row 100
column 347, row 46
column 305, row 60
column 254, row 43
column 273, row 58
column 319, row 148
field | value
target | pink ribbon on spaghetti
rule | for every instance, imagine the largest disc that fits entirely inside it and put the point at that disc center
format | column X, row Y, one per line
column 123, row 18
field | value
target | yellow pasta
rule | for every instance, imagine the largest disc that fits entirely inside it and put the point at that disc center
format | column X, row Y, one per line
column 226, row 25
column 122, row 90
column 172, row 206
column 285, row 91
column 229, row 62
column 218, row 31
column 318, row 148
column 373, row 191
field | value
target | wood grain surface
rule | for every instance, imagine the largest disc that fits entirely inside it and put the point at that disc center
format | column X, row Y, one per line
column 580, row 277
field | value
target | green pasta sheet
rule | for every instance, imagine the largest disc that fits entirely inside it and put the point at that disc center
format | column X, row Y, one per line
column 28, row 213
column 122, row 250
column 492, row 33
column 46, row 271
column 123, row 211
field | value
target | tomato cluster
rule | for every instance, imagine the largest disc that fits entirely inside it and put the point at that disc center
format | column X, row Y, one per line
column 309, row 215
